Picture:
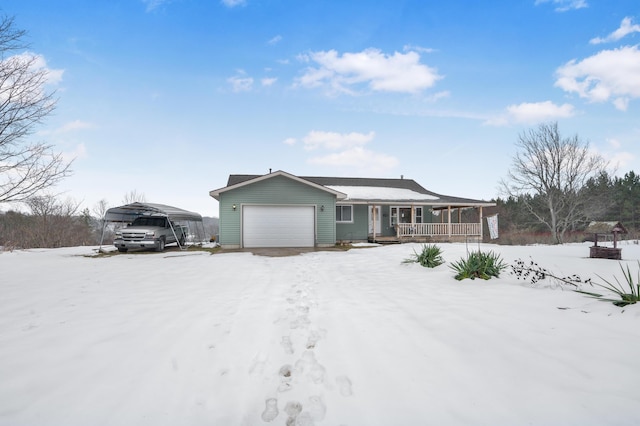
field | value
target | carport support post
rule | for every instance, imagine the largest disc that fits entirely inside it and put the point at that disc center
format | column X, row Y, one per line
column 174, row 233
column 104, row 225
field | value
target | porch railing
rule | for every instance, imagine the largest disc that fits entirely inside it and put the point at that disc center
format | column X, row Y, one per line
column 437, row 229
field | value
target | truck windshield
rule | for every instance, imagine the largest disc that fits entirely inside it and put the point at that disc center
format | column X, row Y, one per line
column 149, row 221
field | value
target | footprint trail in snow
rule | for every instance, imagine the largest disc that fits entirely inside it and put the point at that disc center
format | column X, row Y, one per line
column 305, row 373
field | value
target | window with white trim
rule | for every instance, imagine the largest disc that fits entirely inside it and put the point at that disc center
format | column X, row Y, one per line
column 418, row 215
column 402, row 214
column 344, row 213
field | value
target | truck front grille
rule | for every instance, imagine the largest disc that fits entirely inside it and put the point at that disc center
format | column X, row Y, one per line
column 132, row 236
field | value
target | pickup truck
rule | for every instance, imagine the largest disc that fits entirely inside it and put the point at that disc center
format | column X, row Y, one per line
column 149, row 232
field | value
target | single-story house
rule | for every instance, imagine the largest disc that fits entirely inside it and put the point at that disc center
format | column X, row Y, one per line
column 279, row 209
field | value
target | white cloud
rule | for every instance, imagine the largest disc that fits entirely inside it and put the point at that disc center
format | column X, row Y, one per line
column 616, row 158
column 275, row 40
column 79, row 152
column 626, row 28
column 412, row 48
column 614, row 143
column 74, row 125
column 348, row 151
column 440, row 95
column 268, row 81
column 360, row 160
column 608, row 75
column 33, row 64
column 336, row 141
column 240, row 82
column 531, row 113
column 620, row 160
column 621, row 103
column 380, row 72
column 154, row 4
column 565, row 5
column 69, row 127
column 37, row 63
column 233, row 3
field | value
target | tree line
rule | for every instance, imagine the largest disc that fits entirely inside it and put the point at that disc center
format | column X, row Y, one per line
column 606, row 198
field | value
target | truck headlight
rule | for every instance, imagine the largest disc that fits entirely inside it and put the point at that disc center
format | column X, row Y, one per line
column 118, row 235
column 150, row 235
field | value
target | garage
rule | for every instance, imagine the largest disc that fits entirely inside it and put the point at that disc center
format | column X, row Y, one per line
column 278, row 226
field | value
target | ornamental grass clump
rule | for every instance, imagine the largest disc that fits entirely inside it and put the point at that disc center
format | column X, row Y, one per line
column 628, row 292
column 429, row 257
column 478, row 265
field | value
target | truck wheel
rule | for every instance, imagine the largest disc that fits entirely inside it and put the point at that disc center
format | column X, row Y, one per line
column 181, row 241
column 160, row 245
column 122, row 249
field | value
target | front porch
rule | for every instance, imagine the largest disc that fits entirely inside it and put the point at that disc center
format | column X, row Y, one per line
column 431, row 232
column 418, row 231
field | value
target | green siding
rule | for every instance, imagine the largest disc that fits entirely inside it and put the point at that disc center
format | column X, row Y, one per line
column 276, row 190
column 359, row 229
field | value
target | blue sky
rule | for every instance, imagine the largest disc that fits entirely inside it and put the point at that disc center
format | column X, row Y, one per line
column 169, row 97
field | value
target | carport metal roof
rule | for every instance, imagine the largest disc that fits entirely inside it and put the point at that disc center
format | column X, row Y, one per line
column 129, row 212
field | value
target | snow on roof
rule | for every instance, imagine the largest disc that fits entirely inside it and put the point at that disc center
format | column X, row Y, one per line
column 381, row 193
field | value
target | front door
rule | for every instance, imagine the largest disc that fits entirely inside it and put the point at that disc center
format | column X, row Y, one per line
column 375, row 222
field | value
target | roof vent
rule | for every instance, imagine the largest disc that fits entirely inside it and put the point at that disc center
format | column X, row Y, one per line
column 401, row 176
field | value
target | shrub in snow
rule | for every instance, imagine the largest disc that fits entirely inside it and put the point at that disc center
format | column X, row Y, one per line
column 478, row 265
column 429, row 257
column 629, row 292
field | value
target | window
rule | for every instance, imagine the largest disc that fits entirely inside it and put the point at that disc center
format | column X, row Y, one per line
column 344, row 213
column 418, row 215
column 403, row 215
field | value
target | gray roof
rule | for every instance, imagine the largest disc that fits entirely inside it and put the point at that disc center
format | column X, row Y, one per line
column 401, row 183
column 129, row 212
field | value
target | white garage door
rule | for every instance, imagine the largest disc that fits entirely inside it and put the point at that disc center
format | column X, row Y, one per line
column 278, row 226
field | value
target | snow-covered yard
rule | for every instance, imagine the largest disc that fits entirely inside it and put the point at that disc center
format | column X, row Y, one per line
column 327, row 338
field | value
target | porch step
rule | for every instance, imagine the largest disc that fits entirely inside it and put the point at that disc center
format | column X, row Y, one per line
column 384, row 240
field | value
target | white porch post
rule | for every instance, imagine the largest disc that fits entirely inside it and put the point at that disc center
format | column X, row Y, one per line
column 449, row 217
column 413, row 219
column 373, row 215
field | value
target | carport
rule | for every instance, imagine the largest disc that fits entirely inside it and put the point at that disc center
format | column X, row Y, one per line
column 129, row 212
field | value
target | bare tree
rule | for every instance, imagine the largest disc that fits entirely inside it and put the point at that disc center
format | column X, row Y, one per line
column 26, row 167
column 133, row 196
column 56, row 223
column 100, row 209
column 549, row 174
